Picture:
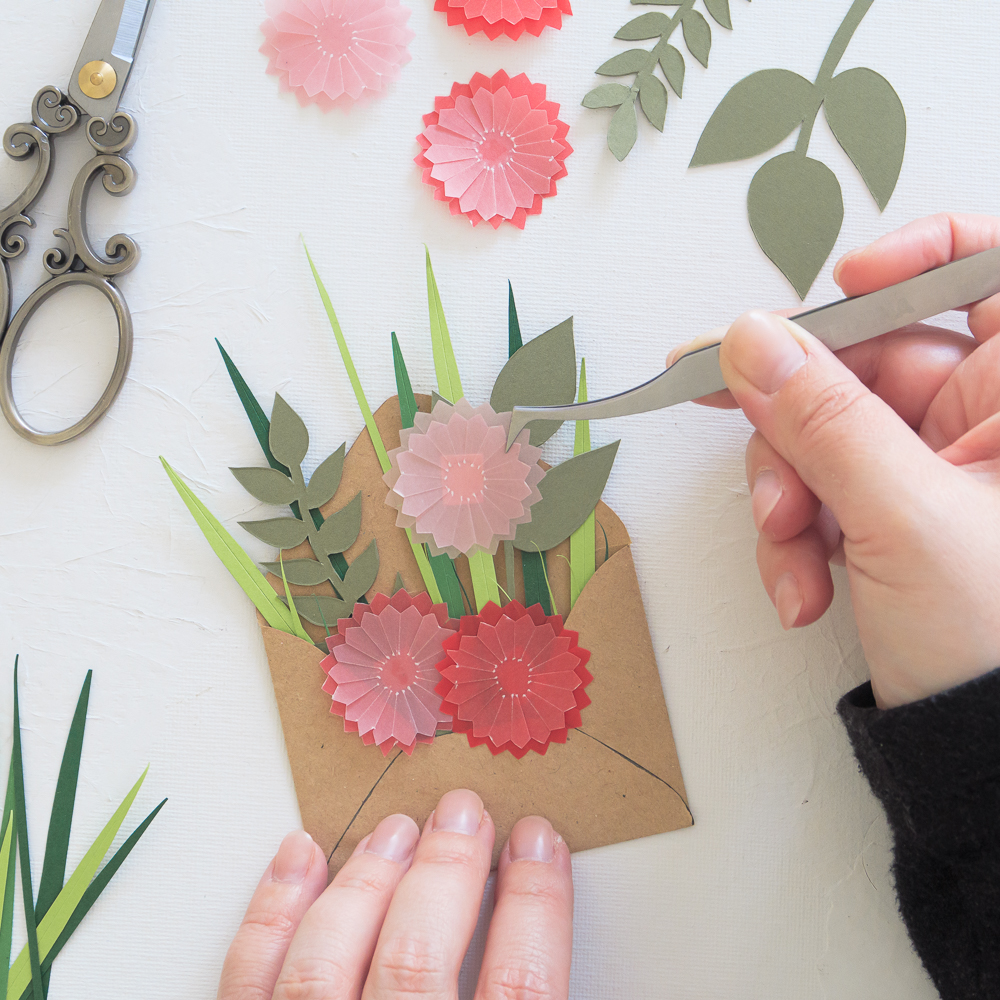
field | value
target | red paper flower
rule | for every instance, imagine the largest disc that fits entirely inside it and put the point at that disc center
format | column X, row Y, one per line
column 494, row 148
column 513, row 679
column 505, row 17
column 382, row 671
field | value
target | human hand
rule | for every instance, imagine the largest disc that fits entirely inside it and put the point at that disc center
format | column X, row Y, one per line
column 887, row 454
column 397, row 919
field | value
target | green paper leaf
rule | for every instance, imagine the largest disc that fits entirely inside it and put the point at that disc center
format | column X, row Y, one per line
column 239, row 564
column 360, row 578
column 653, row 99
column 583, row 541
column 267, row 485
column 672, row 64
column 541, row 373
column 445, row 365
column 650, row 25
column 508, row 562
column 757, row 113
column 514, row 342
column 288, row 436
column 484, row 579
column 281, row 532
column 535, row 589
column 625, row 63
column 319, row 609
column 796, row 209
column 7, row 874
column 867, row 117
column 607, row 95
column 449, row 583
column 325, row 480
column 623, row 130
column 697, row 36
column 397, row 585
column 719, row 9
column 301, row 572
column 407, row 401
column 569, row 493
column 340, row 530
column 6, row 895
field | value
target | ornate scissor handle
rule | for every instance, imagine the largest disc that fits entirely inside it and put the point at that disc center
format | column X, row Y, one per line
column 76, row 263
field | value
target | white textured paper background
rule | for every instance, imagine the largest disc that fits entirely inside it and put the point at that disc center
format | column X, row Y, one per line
column 781, row 889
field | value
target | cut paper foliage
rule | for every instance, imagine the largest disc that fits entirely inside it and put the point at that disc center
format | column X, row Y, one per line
column 582, row 543
column 647, row 88
column 794, row 202
column 332, row 52
column 494, row 149
column 505, row 17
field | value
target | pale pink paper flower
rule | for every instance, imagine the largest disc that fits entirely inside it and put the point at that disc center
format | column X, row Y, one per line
column 331, row 52
column 382, row 670
column 456, row 485
column 494, row 148
column 505, row 17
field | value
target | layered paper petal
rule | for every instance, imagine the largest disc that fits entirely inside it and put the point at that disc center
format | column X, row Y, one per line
column 514, row 679
column 333, row 52
column 382, row 670
column 456, row 484
column 494, row 148
column 505, row 17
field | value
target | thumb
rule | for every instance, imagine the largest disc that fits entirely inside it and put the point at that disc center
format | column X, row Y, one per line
column 848, row 446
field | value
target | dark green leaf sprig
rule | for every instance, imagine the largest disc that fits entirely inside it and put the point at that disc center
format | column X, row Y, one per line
column 330, row 537
column 647, row 88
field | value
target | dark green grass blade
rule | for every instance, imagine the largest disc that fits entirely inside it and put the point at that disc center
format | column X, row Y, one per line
column 407, row 401
column 513, row 326
column 38, row 987
column 7, row 917
column 448, row 583
column 535, row 590
column 94, row 890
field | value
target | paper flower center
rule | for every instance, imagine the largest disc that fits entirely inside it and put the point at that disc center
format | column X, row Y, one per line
column 335, row 35
column 464, row 479
column 399, row 672
column 496, row 149
column 513, row 676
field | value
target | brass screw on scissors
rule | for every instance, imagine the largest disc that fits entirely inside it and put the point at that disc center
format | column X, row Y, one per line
column 95, row 89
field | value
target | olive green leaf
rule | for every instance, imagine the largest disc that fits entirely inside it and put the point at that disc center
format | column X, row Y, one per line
column 624, row 63
column 867, row 117
column 541, row 373
column 361, row 576
column 397, row 585
column 340, row 530
column 653, row 99
column 756, row 114
column 796, row 210
column 719, row 9
column 267, row 485
column 288, row 437
column 301, row 572
column 281, row 532
column 672, row 64
column 697, row 36
column 650, row 25
column 318, row 609
column 608, row 95
column 325, row 480
column 569, row 493
column 623, row 130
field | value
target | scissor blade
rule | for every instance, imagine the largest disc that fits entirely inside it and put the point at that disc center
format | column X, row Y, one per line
column 114, row 38
column 838, row 325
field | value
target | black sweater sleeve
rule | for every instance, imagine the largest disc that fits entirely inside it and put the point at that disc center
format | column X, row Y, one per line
column 935, row 766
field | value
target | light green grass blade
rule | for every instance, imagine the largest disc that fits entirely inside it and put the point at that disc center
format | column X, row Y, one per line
column 445, row 365
column 484, row 579
column 239, row 564
column 7, row 910
column 583, row 541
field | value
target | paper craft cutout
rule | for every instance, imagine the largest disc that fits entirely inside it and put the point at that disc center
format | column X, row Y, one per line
column 623, row 130
column 493, row 149
column 505, row 17
column 513, row 679
column 794, row 202
column 382, row 670
column 331, row 52
column 582, row 542
column 456, row 484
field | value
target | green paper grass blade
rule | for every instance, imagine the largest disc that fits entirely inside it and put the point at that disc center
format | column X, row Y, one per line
column 404, row 390
column 32, row 962
column 484, row 579
column 352, row 374
column 239, row 564
column 445, row 365
column 583, row 541
column 508, row 562
column 548, row 586
column 426, row 572
column 7, row 919
column 6, row 865
column 514, row 341
column 61, row 911
column 302, row 633
column 448, row 582
column 535, row 590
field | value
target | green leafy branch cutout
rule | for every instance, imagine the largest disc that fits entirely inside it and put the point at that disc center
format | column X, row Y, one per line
column 794, row 202
column 647, row 87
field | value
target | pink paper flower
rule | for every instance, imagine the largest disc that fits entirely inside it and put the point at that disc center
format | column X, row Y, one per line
column 509, row 17
column 456, row 485
column 382, row 671
column 330, row 52
column 514, row 679
column 494, row 148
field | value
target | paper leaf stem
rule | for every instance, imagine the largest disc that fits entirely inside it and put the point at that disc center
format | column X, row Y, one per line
column 445, row 365
column 239, row 564
column 583, row 541
column 484, row 579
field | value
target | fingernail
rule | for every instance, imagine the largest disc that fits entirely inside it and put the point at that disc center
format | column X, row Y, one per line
column 765, row 352
column 840, row 263
column 532, row 839
column 294, row 857
column 766, row 494
column 460, row 811
column 394, row 838
column 787, row 600
column 676, row 353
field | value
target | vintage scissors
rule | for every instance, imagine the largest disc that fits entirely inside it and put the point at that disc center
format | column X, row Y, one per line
column 95, row 89
column 838, row 325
